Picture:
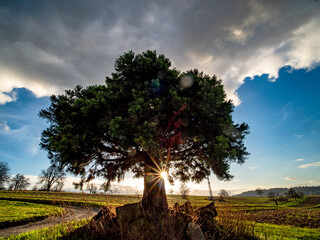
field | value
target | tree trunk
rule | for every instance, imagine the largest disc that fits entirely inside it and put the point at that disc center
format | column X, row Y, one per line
column 48, row 186
column 154, row 195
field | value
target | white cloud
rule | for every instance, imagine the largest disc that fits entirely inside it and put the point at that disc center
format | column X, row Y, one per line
column 299, row 160
column 314, row 181
column 253, row 167
column 298, row 135
column 291, row 178
column 4, row 98
column 315, row 164
column 4, row 126
column 122, row 188
column 247, row 39
column 33, row 146
column 8, row 97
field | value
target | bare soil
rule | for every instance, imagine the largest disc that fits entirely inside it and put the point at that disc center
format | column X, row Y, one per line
column 311, row 202
column 294, row 217
column 71, row 213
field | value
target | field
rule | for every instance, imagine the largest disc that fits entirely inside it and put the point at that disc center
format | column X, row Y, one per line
column 258, row 216
column 17, row 212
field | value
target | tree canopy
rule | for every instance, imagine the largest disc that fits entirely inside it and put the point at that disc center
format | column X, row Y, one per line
column 146, row 112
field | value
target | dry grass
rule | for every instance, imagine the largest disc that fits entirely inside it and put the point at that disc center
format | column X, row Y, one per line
column 229, row 225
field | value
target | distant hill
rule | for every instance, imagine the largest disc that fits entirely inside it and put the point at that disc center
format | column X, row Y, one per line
column 314, row 190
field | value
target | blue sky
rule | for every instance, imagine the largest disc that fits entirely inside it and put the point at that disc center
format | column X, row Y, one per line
column 284, row 120
column 266, row 53
column 20, row 133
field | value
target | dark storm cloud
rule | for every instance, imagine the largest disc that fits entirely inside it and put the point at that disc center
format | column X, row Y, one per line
column 48, row 46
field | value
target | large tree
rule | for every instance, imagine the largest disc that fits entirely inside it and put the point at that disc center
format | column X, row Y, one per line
column 52, row 177
column 4, row 174
column 148, row 118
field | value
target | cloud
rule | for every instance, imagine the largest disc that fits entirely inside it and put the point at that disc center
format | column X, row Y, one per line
column 299, row 160
column 8, row 97
column 33, row 146
column 232, row 39
column 253, row 167
column 4, row 126
column 314, row 181
column 315, row 164
column 291, row 178
column 298, row 135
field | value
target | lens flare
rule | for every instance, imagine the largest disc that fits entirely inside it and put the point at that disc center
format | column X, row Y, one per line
column 164, row 175
column 186, row 81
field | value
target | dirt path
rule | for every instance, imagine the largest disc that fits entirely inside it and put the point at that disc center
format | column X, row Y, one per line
column 72, row 213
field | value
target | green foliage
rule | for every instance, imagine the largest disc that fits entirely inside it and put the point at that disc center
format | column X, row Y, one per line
column 146, row 108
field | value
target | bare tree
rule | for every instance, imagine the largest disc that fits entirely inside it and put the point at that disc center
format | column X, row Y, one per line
column 53, row 177
column 171, row 191
column 223, row 193
column 35, row 187
column 19, row 182
column 105, row 187
column 4, row 174
column 275, row 196
column 292, row 193
column 184, row 190
column 115, row 191
column 259, row 192
column 58, row 187
column 92, row 188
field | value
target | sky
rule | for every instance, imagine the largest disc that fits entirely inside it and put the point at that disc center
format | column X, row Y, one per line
column 267, row 54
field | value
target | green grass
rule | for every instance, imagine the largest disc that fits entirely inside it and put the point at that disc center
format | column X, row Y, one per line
column 273, row 231
column 14, row 212
column 55, row 232
column 90, row 199
column 236, row 205
column 69, row 198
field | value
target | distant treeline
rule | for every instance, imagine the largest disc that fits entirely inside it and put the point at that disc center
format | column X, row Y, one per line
column 313, row 190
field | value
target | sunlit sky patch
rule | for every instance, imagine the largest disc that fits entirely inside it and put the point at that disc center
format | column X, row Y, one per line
column 266, row 52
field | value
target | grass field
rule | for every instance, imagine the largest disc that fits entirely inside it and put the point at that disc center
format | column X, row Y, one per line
column 53, row 233
column 257, row 215
column 17, row 212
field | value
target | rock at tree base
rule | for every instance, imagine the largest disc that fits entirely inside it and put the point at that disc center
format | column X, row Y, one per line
column 103, row 213
column 207, row 212
column 180, row 223
column 132, row 223
column 195, row 231
column 129, row 213
column 186, row 208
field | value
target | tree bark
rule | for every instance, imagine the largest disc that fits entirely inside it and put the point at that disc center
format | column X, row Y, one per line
column 154, row 195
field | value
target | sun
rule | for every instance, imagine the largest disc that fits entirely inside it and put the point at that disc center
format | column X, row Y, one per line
column 163, row 175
